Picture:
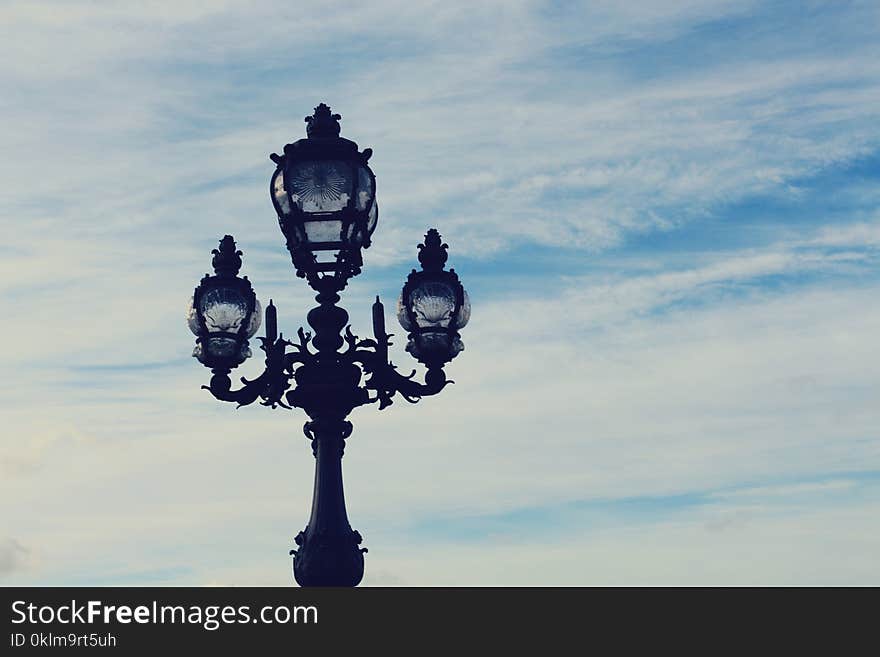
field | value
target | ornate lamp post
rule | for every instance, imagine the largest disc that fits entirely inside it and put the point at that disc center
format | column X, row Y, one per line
column 325, row 196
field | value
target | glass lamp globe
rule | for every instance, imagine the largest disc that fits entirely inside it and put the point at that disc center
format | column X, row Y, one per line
column 223, row 312
column 433, row 306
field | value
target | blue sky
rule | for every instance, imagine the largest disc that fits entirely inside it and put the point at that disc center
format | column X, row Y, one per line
column 666, row 214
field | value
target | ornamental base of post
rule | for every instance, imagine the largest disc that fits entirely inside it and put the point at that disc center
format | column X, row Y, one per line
column 328, row 560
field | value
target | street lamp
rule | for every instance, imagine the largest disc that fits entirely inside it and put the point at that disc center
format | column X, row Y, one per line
column 224, row 312
column 325, row 196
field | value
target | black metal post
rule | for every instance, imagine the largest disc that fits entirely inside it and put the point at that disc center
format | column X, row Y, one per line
column 329, row 552
column 328, row 389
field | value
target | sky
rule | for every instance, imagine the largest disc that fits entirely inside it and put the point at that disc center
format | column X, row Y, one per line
column 667, row 216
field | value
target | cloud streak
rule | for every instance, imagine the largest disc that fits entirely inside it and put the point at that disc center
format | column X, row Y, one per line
column 666, row 216
column 13, row 556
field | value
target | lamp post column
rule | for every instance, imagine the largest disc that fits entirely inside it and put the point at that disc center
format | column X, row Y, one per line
column 328, row 552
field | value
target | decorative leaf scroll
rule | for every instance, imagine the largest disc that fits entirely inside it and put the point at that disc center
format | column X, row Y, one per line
column 370, row 354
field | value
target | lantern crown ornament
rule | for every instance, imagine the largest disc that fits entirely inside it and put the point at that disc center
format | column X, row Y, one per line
column 324, row 193
column 322, row 123
column 433, row 253
column 227, row 259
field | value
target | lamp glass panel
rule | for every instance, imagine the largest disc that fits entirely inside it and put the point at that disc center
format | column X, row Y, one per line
column 279, row 193
column 192, row 318
column 371, row 219
column 255, row 320
column 323, row 257
column 320, row 185
column 224, row 309
column 323, row 231
column 364, row 190
column 432, row 304
column 402, row 314
column 464, row 313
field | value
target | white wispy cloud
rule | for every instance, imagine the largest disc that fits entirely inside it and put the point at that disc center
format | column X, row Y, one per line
column 744, row 374
column 13, row 556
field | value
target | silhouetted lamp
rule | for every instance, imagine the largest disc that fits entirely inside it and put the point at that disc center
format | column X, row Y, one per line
column 224, row 312
column 325, row 197
column 433, row 305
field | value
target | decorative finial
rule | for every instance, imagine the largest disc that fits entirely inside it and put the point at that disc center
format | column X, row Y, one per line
column 323, row 124
column 227, row 260
column 432, row 254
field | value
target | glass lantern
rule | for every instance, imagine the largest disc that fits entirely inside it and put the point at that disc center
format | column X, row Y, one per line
column 325, row 197
column 433, row 306
column 224, row 312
